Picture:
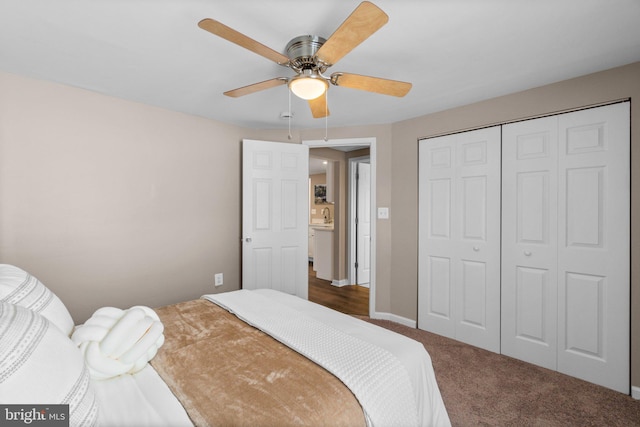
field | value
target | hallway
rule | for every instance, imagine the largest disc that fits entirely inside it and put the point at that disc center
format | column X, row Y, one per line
column 350, row 299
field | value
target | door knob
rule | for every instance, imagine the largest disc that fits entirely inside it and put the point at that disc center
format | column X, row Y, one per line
column 475, row 248
column 248, row 240
column 527, row 253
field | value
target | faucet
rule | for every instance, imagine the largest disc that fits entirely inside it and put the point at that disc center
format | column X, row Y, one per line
column 326, row 213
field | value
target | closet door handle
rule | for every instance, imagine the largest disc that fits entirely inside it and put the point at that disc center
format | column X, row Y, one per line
column 475, row 248
column 527, row 253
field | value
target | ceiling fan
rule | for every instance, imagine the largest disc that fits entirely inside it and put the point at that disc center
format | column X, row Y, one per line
column 310, row 57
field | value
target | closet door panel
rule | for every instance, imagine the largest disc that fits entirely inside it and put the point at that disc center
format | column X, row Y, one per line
column 593, row 259
column 439, row 217
column 529, row 240
column 437, row 256
column 473, row 290
column 533, row 196
column 585, row 207
column 478, row 230
column 459, row 243
column 583, row 315
column 531, row 305
column 440, row 287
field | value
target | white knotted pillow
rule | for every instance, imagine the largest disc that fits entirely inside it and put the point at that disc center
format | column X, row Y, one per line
column 116, row 342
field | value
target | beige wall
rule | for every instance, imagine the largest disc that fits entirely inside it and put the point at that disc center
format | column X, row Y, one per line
column 111, row 202
column 623, row 82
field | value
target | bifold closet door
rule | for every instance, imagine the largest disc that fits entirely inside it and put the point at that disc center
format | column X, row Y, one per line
column 566, row 250
column 530, row 240
column 594, row 250
column 459, row 237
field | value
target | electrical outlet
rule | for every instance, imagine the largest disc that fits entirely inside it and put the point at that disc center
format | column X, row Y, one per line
column 219, row 279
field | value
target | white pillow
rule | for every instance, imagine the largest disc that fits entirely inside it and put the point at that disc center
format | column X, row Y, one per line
column 40, row 365
column 19, row 287
column 114, row 342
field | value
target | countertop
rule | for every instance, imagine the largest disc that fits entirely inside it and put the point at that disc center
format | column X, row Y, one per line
column 322, row 227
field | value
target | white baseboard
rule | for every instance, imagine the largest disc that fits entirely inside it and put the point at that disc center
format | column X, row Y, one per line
column 635, row 392
column 394, row 318
column 340, row 283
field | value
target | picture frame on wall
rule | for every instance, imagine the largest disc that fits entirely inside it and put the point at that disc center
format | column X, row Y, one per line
column 320, row 194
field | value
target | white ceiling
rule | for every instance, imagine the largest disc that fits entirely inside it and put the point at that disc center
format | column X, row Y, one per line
column 317, row 166
column 454, row 52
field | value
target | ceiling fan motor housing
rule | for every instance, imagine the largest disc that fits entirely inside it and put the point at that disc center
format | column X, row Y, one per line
column 301, row 52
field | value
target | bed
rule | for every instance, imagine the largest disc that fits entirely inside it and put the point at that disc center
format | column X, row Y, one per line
column 254, row 358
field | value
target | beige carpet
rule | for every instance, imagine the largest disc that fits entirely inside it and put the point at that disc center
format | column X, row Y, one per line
column 481, row 388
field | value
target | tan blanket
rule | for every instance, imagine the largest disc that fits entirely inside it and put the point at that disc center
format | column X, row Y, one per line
column 227, row 373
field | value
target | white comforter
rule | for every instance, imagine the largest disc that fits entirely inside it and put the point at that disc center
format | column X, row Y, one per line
column 391, row 375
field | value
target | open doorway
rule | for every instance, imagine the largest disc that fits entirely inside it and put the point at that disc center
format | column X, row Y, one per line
column 334, row 224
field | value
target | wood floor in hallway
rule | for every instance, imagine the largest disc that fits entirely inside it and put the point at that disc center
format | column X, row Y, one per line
column 351, row 299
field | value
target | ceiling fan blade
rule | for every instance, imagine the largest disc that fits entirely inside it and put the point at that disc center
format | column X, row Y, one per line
column 319, row 107
column 365, row 20
column 227, row 33
column 371, row 84
column 256, row 87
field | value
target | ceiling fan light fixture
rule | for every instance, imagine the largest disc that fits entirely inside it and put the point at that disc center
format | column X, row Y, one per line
column 308, row 86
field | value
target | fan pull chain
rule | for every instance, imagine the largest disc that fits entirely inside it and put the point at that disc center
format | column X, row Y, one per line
column 290, row 114
column 326, row 115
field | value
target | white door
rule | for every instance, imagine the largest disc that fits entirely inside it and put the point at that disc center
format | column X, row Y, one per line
column 274, row 216
column 594, row 248
column 459, row 237
column 363, row 227
column 566, row 259
column 530, row 240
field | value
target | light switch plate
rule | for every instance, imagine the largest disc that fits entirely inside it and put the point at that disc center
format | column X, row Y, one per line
column 383, row 213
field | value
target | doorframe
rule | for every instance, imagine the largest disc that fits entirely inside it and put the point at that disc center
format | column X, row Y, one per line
column 362, row 143
column 351, row 214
